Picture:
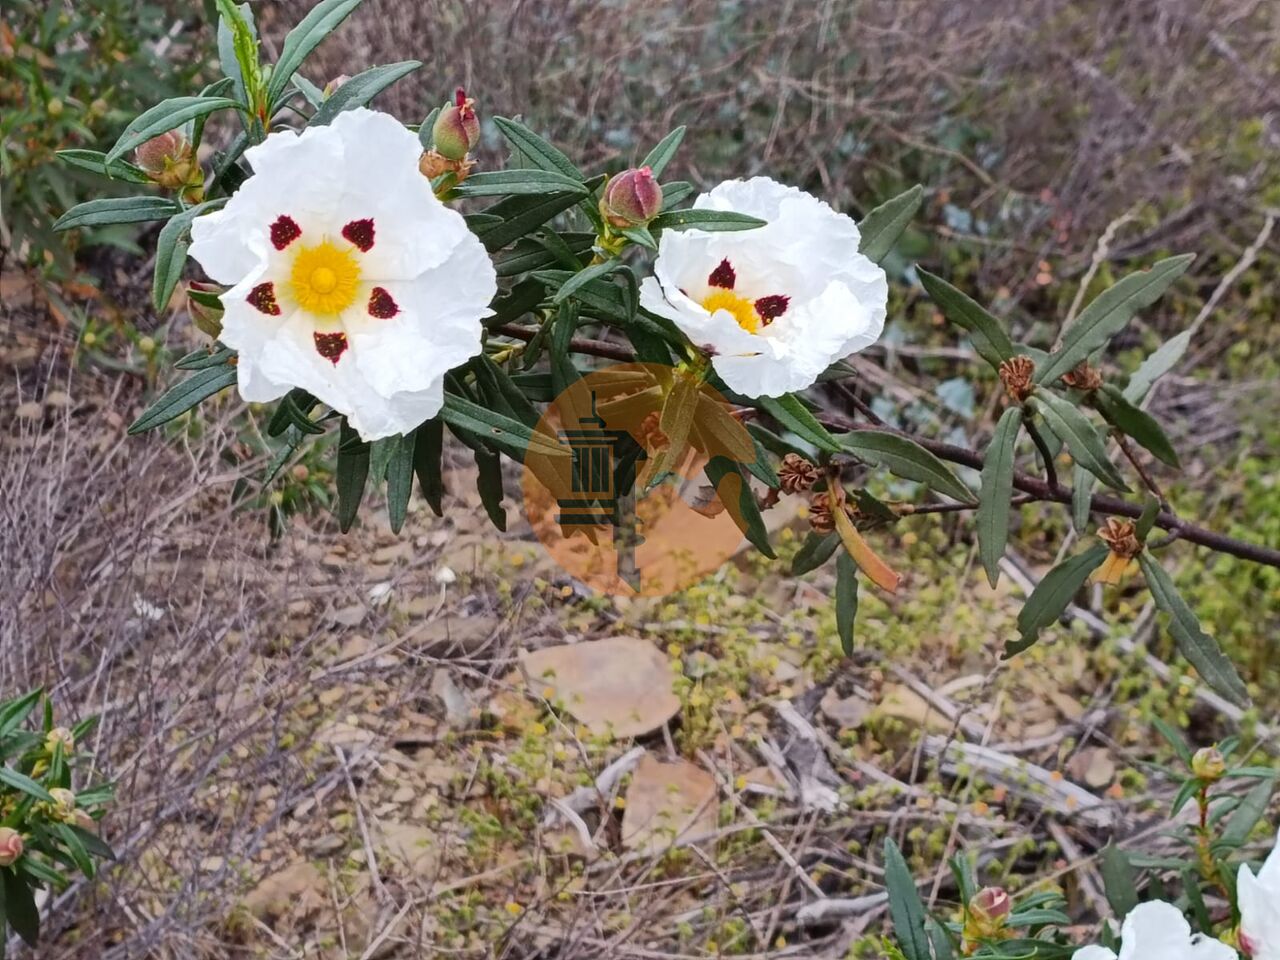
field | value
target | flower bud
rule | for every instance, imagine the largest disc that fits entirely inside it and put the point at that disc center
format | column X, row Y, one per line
column 59, row 735
column 208, row 319
column 62, row 808
column 1208, row 764
column 457, row 128
column 991, row 903
column 632, row 198
column 10, row 846
column 332, row 86
column 169, row 160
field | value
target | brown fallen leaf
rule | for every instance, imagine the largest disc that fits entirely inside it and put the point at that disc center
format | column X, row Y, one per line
column 621, row 684
column 668, row 804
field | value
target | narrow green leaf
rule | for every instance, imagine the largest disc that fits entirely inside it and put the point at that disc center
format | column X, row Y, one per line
column 532, row 213
column 13, row 712
column 639, row 236
column 537, row 150
column 1197, row 646
column 238, row 46
column 1078, row 432
column 91, row 841
column 180, row 398
column 112, row 210
column 846, row 600
column 20, row 906
column 314, row 95
column 987, row 333
column 163, row 117
column 734, row 491
column 940, row 937
column 707, row 220
column 792, row 414
column 675, row 193
column 360, row 89
column 400, row 481
column 508, row 435
column 96, row 162
column 320, row 21
column 881, row 227
column 585, row 276
column 171, row 252
column 79, row 855
column 1150, row 513
column 1052, row 595
column 1247, row 815
column 1108, row 313
column 1082, row 482
column 996, row 494
column 1135, row 422
column 294, row 410
column 905, row 458
column 489, row 485
column 519, row 182
column 427, row 454
column 814, row 552
column 352, row 473
column 658, row 158
column 23, row 783
column 676, row 422
column 1156, row 366
column 905, row 906
column 531, row 253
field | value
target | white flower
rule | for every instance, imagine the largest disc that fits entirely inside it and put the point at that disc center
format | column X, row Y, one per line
column 773, row 306
column 1259, row 900
column 1158, row 931
column 349, row 278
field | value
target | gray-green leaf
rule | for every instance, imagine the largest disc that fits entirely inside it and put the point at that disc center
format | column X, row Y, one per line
column 1078, row 432
column 1052, row 595
column 881, row 227
column 997, row 492
column 163, row 117
column 905, row 458
column 987, row 333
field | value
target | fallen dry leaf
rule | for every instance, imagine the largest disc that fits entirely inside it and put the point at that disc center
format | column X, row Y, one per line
column 666, row 804
column 621, row 684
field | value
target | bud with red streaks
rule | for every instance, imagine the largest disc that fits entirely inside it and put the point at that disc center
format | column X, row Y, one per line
column 169, row 160
column 632, row 198
column 457, row 128
column 10, row 846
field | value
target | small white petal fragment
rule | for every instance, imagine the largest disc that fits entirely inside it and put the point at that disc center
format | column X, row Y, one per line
column 774, row 306
column 348, row 277
column 1259, row 898
column 1158, row 931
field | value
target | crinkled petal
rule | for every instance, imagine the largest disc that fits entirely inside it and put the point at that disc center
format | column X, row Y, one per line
column 1259, row 901
column 1093, row 952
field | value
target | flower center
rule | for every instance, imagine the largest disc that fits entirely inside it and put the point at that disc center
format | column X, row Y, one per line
column 325, row 279
column 742, row 309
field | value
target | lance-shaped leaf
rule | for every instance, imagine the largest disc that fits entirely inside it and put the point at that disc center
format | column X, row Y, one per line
column 180, row 398
column 489, row 485
column 709, row 220
column 536, row 150
column 428, row 452
column 791, row 412
column 1156, row 366
column 171, row 252
column 1118, row 881
column 1247, row 815
column 352, row 473
column 1078, row 432
column 996, row 494
column 518, row 182
column 24, row 784
column 658, row 158
column 905, row 906
column 20, row 906
column 1134, row 422
column 533, row 254
column 868, row 561
column 112, row 210
column 360, row 89
column 320, row 21
column 585, row 276
column 523, row 218
column 400, row 480
column 1082, row 482
column 238, row 48
column 881, row 227
column 676, row 192
column 814, row 552
column 504, row 433
column 846, row 601
column 163, row 117
column 740, row 501
column 96, row 161
column 1108, row 313
column 905, row 458
column 1197, row 646
column 676, row 423
column 1052, row 595
column 987, row 333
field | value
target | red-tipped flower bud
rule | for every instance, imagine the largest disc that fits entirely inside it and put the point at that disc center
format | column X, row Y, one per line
column 10, row 846
column 457, row 128
column 632, row 198
column 991, row 903
column 331, row 87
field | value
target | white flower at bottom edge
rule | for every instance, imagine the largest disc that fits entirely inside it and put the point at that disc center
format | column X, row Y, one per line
column 776, row 305
column 349, row 278
column 1159, row 931
column 1259, row 900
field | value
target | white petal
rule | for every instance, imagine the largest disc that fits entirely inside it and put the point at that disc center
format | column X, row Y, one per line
column 1259, row 904
column 1093, row 952
column 1157, row 931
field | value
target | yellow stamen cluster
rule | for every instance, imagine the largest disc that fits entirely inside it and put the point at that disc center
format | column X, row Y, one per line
column 325, row 279
column 742, row 309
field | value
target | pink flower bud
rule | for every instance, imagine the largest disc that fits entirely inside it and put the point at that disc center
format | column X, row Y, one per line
column 632, row 198
column 991, row 903
column 331, row 87
column 10, row 846
column 457, row 128
column 170, row 161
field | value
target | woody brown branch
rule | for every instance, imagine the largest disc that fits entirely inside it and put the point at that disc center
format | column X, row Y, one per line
column 1037, row 488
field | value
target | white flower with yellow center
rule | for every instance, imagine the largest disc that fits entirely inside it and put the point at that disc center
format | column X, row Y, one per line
column 776, row 305
column 349, row 278
column 1259, row 900
column 1158, row 931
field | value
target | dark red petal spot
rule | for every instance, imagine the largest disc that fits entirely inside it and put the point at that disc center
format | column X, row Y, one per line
column 331, row 346
column 772, row 307
column 360, row 233
column 723, row 275
column 382, row 305
column 284, row 231
column 263, row 297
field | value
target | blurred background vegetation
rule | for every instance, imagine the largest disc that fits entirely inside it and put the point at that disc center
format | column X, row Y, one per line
column 1049, row 135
